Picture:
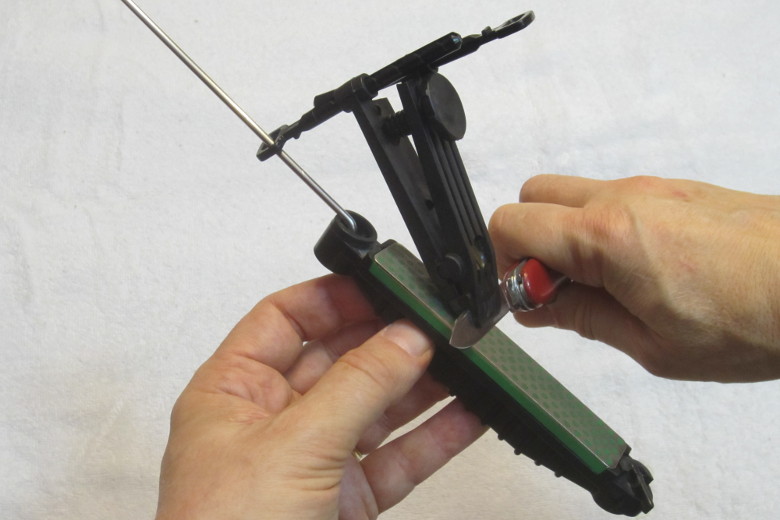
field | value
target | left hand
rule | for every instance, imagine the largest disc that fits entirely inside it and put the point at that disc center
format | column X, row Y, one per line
column 269, row 425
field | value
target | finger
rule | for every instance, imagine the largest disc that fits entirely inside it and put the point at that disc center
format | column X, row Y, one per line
column 565, row 239
column 594, row 314
column 267, row 387
column 274, row 331
column 395, row 469
column 565, row 190
column 423, row 395
column 237, row 387
column 319, row 355
column 361, row 385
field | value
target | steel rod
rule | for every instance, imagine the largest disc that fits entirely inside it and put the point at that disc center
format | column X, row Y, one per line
column 232, row 105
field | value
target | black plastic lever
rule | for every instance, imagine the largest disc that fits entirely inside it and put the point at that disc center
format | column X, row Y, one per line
column 432, row 191
column 428, row 179
column 475, row 41
column 364, row 87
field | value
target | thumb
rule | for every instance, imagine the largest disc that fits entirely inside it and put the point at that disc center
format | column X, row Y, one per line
column 364, row 382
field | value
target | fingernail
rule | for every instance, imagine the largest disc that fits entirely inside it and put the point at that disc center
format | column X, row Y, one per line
column 408, row 337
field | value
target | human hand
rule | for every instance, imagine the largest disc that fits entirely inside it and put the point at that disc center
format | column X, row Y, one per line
column 682, row 276
column 268, row 426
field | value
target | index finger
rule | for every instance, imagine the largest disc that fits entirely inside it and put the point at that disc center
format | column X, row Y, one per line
column 274, row 331
column 563, row 238
column 563, row 190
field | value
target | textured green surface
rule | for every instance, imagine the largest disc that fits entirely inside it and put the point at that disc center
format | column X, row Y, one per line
column 530, row 385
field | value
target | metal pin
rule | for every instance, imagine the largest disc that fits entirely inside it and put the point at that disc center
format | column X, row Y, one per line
column 232, row 105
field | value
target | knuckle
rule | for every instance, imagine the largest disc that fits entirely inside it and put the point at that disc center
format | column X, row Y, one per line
column 250, row 380
column 234, row 380
column 655, row 364
column 643, row 184
column 527, row 190
column 583, row 321
column 657, row 356
column 502, row 229
column 499, row 221
column 180, row 408
column 554, row 316
column 608, row 231
column 532, row 187
column 608, row 225
column 662, row 188
column 602, row 234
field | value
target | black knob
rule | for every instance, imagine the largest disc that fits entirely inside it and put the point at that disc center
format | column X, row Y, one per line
column 443, row 108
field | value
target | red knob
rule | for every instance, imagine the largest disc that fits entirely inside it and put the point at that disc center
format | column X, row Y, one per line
column 529, row 285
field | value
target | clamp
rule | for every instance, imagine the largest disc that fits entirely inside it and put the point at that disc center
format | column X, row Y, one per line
column 453, row 294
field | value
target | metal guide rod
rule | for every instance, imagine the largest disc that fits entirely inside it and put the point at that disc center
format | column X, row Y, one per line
column 232, row 105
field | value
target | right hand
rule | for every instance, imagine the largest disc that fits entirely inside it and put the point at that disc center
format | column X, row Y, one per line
column 682, row 276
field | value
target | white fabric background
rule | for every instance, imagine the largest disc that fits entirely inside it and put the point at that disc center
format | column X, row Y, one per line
column 136, row 226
